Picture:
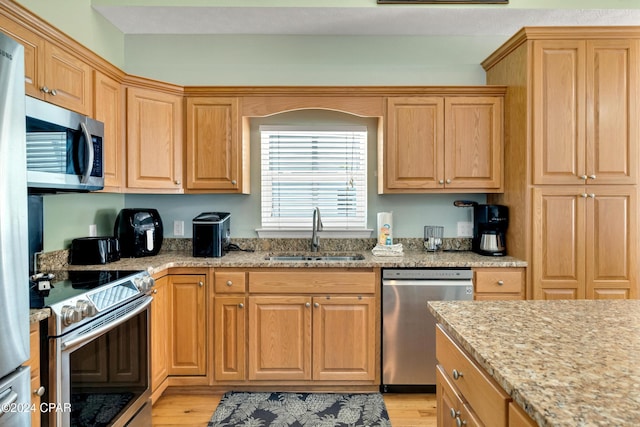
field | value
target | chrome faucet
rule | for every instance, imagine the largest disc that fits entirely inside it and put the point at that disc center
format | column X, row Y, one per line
column 316, row 226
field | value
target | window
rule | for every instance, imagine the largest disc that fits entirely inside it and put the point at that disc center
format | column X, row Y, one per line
column 307, row 167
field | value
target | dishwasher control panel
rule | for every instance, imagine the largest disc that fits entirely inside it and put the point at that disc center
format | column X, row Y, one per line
column 427, row 274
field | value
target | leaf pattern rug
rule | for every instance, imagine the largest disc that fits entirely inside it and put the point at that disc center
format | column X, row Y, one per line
column 239, row 409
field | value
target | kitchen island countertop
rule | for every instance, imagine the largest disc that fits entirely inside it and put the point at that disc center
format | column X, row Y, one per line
column 240, row 259
column 566, row 363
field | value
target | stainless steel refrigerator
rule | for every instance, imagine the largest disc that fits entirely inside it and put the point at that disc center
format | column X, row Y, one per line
column 15, row 396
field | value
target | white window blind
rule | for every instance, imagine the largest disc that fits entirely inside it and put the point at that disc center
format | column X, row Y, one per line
column 303, row 168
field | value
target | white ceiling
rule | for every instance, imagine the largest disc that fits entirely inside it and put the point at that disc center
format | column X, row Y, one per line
column 409, row 20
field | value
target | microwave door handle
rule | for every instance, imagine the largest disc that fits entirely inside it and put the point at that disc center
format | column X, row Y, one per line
column 89, row 163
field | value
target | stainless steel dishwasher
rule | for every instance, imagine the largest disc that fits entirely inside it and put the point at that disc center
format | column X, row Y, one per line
column 408, row 328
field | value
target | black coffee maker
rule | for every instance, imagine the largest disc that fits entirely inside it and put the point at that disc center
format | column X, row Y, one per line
column 490, row 224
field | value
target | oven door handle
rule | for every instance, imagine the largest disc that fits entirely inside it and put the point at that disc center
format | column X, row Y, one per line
column 76, row 342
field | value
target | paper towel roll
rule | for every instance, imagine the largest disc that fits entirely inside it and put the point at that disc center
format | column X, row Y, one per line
column 385, row 228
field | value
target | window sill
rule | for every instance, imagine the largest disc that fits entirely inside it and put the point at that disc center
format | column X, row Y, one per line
column 306, row 233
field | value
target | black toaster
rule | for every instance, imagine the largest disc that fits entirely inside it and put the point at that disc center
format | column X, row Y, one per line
column 94, row 250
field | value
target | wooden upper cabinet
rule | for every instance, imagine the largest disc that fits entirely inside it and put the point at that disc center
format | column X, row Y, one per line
column 473, row 143
column 109, row 109
column 154, row 140
column 53, row 73
column 443, row 143
column 214, row 148
column 585, row 116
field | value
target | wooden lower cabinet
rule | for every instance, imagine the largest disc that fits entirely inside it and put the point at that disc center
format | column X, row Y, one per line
column 229, row 338
column 499, row 283
column 37, row 390
column 160, row 310
column 188, row 348
column 467, row 395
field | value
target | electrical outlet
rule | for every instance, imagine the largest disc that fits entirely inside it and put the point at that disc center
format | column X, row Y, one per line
column 465, row 229
column 93, row 230
column 178, row 228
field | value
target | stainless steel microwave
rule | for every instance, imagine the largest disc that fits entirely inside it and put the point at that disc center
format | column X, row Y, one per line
column 64, row 149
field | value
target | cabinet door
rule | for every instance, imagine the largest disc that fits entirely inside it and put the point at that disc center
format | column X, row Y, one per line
column 108, row 109
column 229, row 338
column 154, row 140
column 559, row 240
column 612, row 249
column 473, row 143
column 344, row 333
column 160, row 325
column 414, row 146
column 558, row 111
column 612, row 111
column 34, row 364
column 69, row 80
column 214, row 151
column 279, row 338
column 188, row 350
column 33, row 54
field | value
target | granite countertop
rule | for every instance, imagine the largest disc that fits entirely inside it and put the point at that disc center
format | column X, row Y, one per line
column 567, row 363
column 240, row 259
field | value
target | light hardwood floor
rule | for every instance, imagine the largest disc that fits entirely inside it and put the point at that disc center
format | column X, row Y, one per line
column 173, row 410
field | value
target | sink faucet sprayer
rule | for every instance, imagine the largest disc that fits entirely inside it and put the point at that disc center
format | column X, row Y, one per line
column 316, row 226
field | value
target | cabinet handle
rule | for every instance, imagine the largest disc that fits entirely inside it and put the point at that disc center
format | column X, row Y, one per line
column 229, row 283
column 592, row 177
column 316, row 305
column 592, row 196
column 54, row 92
column 39, row 391
column 460, row 422
column 234, row 182
column 583, row 177
column 307, row 305
column 441, row 181
column 177, row 182
column 155, row 291
column 201, row 284
column 44, row 89
column 583, row 195
column 448, row 181
column 454, row 413
column 241, row 305
column 456, row 374
column 500, row 282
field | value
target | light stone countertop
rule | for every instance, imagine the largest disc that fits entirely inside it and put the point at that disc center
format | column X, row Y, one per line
column 567, row 363
column 240, row 259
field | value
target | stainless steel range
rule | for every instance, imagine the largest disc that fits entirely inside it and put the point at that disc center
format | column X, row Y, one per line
column 98, row 344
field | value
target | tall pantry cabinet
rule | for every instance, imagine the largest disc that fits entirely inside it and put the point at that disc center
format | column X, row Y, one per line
column 571, row 158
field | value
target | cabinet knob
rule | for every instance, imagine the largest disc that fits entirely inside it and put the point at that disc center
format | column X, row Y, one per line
column 583, row 177
column 241, row 305
column 155, row 291
column 592, row 177
column 460, row 422
column 229, row 283
column 201, row 284
column 456, row 374
column 448, row 181
column 592, row 196
column 316, row 305
column 308, row 305
column 234, row 182
column 39, row 391
column 500, row 282
column 54, row 92
column 441, row 181
column 583, row 195
column 177, row 182
column 44, row 89
column 454, row 413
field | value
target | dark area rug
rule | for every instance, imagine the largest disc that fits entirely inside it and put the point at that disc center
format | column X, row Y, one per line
column 239, row 409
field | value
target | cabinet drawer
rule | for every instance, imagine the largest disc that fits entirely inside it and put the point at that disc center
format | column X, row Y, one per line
column 483, row 394
column 315, row 282
column 499, row 280
column 229, row 282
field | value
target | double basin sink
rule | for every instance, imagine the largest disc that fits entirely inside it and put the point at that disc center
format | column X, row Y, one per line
column 314, row 257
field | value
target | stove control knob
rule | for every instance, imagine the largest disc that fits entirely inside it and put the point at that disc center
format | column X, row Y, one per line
column 85, row 308
column 70, row 315
column 144, row 284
